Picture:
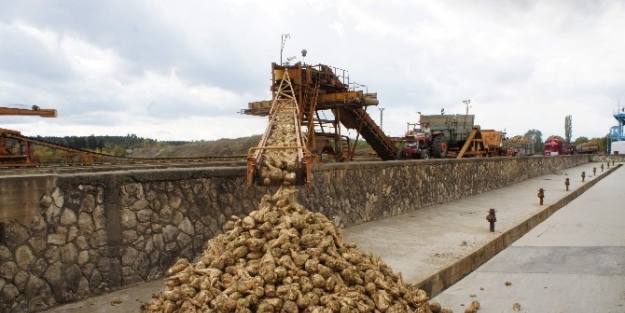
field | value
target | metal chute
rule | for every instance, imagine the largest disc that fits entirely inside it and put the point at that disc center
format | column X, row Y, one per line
column 281, row 157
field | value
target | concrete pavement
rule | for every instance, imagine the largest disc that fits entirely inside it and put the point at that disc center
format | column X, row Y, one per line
column 572, row 262
column 432, row 247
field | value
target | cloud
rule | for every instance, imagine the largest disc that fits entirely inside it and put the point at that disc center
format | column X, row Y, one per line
column 183, row 70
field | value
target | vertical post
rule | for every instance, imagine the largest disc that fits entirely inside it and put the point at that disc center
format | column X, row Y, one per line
column 491, row 218
column 381, row 121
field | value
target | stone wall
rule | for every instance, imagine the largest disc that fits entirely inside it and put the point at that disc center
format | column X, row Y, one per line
column 82, row 234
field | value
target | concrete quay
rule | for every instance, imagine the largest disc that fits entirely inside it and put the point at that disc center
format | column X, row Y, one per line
column 572, row 262
column 436, row 246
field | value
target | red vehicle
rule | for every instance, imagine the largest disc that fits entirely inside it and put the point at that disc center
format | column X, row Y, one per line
column 555, row 145
column 423, row 144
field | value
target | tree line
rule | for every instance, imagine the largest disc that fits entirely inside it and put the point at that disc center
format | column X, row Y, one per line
column 116, row 145
column 536, row 136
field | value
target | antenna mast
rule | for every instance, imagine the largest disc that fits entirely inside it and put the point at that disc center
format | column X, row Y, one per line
column 282, row 42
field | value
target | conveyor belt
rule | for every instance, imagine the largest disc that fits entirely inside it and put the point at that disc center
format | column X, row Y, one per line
column 357, row 118
column 72, row 156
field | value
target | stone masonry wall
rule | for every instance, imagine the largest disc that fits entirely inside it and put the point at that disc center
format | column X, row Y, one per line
column 92, row 232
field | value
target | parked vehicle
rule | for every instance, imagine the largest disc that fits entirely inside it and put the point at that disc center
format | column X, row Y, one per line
column 556, row 145
column 422, row 143
column 519, row 146
column 590, row 147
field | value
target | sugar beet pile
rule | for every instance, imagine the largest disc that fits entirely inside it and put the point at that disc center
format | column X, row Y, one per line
column 285, row 258
column 280, row 165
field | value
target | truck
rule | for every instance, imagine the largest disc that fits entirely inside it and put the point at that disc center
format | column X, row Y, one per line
column 416, row 143
column 518, row 146
column 422, row 142
column 455, row 135
column 556, row 145
column 444, row 136
column 590, row 147
column 493, row 142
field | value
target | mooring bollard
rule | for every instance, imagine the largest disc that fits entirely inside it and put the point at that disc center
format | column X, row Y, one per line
column 594, row 171
column 541, row 195
column 491, row 218
column 583, row 175
column 566, row 183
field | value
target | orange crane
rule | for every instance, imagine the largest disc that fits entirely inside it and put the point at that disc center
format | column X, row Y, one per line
column 35, row 110
column 8, row 155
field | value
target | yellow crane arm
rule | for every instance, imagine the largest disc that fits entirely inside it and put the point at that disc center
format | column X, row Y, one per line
column 34, row 111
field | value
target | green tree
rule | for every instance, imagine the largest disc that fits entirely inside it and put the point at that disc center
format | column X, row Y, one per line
column 80, row 142
column 581, row 139
column 602, row 142
column 568, row 128
column 100, row 145
column 92, row 143
column 119, row 151
column 535, row 136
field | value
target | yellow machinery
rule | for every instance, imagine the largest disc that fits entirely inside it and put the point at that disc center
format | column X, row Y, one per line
column 317, row 103
column 493, row 142
column 326, row 105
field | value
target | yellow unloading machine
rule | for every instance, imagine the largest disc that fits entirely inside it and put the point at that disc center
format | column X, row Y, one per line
column 321, row 102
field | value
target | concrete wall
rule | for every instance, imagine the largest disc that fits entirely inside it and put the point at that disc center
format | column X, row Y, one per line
column 76, row 235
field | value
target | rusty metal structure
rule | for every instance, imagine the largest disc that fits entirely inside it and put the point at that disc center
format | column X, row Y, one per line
column 35, row 110
column 328, row 104
column 283, row 140
column 17, row 150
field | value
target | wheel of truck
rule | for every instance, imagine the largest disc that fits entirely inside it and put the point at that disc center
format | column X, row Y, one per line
column 401, row 155
column 425, row 154
column 439, row 147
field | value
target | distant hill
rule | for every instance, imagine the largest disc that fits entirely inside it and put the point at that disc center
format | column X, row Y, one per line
column 139, row 147
column 134, row 146
column 221, row 147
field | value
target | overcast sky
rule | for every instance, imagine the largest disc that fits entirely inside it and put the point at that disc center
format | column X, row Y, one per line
column 182, row 70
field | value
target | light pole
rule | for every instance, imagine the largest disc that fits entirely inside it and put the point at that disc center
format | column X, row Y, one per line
column 381, row 121
column 466, row 102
